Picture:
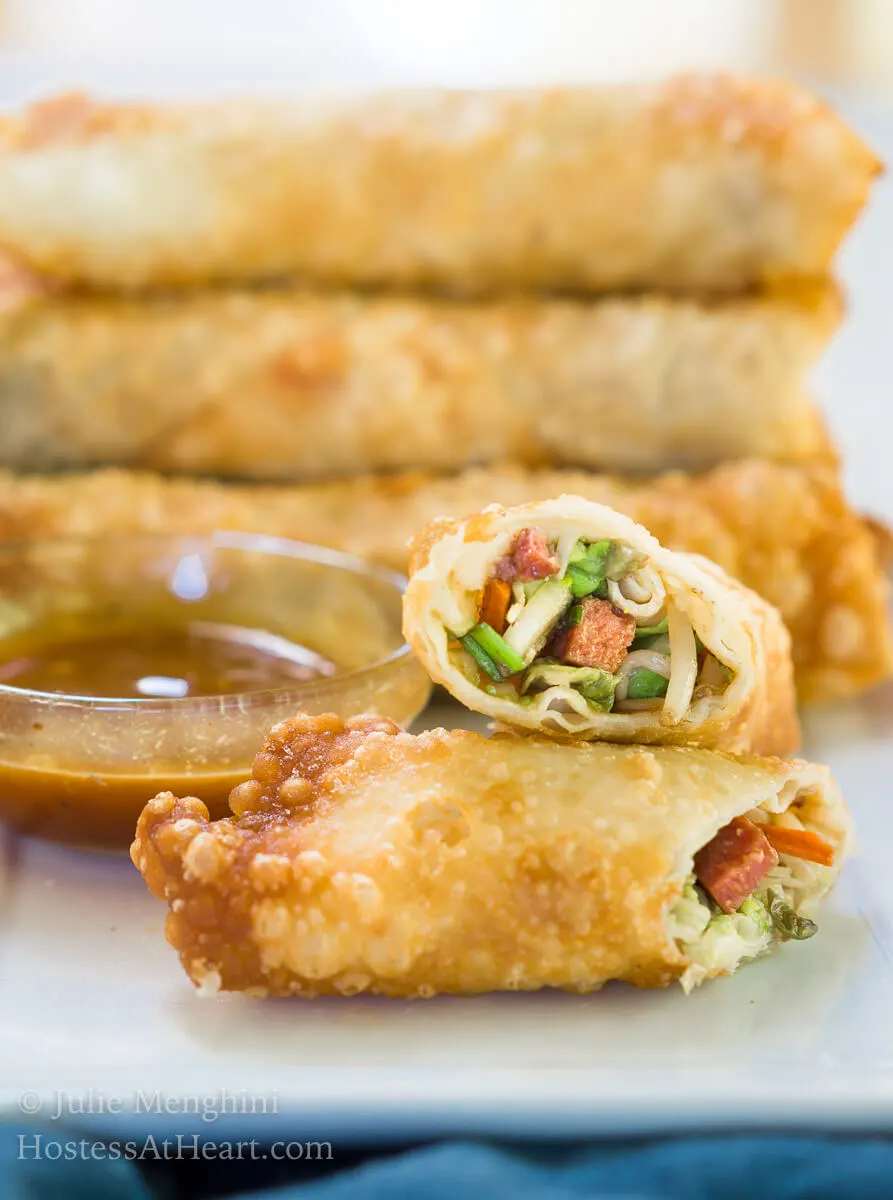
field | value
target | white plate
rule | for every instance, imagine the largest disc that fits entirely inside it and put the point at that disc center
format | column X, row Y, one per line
column 93, row 1002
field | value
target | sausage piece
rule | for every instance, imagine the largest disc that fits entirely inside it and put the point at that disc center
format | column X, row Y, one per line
column 601, row 639
column 530, row 558
column 731, row 865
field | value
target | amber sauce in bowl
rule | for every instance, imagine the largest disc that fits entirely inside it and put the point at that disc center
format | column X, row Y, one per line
column 201, row 658
column 146, row 664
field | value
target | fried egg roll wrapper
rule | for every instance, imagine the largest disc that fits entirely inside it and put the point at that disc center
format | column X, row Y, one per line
column 298, row 385
column 786, row 532
column 701, row 182
column 363, row 859
column 756, row 713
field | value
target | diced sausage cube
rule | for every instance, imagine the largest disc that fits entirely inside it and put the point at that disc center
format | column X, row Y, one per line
column 601, row 639
column 530, row 558
column 731, row 865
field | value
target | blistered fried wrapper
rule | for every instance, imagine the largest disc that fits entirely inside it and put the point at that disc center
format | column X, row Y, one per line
column 362, row 859
column 292, row 384
column 702, row 182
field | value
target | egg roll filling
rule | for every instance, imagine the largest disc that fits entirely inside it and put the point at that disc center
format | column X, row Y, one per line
column 590, row 624
column 752, row 885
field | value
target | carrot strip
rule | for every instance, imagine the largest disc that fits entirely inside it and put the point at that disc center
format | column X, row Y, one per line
column 495, row 603
column 799, row 843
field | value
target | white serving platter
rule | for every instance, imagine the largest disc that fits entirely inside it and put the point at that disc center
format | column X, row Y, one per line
column 94, row 1006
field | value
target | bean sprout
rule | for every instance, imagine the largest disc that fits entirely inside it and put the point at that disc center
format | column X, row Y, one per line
column 642, row 595
column 684, row 661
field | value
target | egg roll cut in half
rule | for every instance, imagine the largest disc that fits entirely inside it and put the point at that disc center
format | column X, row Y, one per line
column 567, row 618
column 701, row 182
column 362, row 859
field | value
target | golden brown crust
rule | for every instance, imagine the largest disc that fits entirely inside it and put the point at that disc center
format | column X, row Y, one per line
column 732, row 181
column 298, row 385
column 365, row 859
column 767, row 721
column 72, row 118
column 787, row 533
column 689, row 107
column 882, row 532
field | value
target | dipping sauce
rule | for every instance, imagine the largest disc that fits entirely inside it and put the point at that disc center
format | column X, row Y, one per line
column 98, row 810
column 138, row 663
column 98, row 807
column 202, row 658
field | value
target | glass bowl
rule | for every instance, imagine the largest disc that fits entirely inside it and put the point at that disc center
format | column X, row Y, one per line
column 79, row 768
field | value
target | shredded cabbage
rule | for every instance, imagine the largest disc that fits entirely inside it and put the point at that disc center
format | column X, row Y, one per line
column 717, row 943
column 689, row 916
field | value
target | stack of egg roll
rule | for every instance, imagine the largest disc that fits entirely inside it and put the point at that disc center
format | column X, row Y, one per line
column 392, row 306
column 622, row 278
column 572, row 313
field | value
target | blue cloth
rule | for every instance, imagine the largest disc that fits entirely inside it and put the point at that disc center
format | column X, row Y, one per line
column 746, row 1168
column 33, row 1169
column 684, row 1168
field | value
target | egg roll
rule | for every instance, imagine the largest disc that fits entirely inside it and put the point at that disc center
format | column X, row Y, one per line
column 362, row 859
column 297, row 385
column 786, row 532
column 566, row 617
column 701, row 182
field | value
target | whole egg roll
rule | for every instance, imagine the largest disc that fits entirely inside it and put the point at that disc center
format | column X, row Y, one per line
column 702, row 182
column 298, row 385
column 566, row 617
column 786, row 532
column 360, row 859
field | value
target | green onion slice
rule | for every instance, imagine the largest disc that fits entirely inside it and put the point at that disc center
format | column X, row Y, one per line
column 497, row 648
column 650, row 630
column 481, row 657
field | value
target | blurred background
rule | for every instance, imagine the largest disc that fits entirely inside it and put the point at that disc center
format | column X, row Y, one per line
column 452, row 41
column 841, row 48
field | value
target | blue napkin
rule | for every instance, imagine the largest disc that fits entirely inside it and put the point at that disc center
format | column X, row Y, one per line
column 745, row 1168
column 32, row 1168
column 807, row 1167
